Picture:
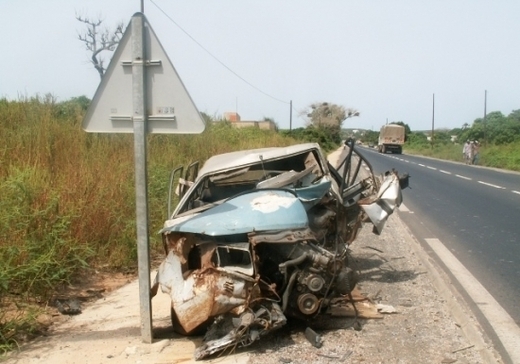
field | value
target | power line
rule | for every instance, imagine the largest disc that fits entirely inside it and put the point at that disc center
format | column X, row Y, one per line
column 214, row 57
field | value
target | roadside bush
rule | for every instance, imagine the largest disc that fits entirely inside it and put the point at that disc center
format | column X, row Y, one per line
column 501, row 156
column 328, row 139
column 40, row 252
column 417, row 140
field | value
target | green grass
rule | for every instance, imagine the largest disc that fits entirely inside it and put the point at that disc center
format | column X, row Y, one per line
column 498, row 156
column 19, row 323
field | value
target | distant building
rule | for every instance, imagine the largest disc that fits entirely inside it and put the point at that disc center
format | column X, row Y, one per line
column 232, row 116
column 235, row 120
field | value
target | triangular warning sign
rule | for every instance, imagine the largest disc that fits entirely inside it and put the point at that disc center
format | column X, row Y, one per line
column 170, row 109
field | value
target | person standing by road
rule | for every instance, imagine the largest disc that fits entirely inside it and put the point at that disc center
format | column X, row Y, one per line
column 466, row 152
column 471, row 152
column 476, row 150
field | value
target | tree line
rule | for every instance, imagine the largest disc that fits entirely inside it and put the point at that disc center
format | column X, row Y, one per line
column 496, row 129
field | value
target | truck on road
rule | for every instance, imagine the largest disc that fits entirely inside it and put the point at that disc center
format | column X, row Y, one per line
column 391, row 139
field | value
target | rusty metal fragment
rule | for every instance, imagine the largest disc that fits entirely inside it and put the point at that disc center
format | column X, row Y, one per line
column 315, row 339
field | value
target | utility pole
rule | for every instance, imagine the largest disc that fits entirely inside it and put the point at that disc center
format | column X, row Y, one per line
column 433, row 118
column 485, row 113
column 290, row 116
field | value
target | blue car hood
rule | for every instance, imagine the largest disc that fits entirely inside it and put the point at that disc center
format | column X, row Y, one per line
column 261, row 210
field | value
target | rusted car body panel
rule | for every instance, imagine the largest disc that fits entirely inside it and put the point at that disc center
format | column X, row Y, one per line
column 262, row 235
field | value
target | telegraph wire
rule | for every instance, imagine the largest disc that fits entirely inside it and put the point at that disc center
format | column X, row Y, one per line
column 214, row 57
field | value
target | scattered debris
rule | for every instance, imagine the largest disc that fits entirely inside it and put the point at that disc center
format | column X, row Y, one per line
column 70, row 306
column 385, row 308
column 462, row 349
column 357, row 326
column 315, row 339
column 329, row 356
column 346, row 355
column 377, row 250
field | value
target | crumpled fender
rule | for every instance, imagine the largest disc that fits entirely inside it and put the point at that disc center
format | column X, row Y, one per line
column 389, row 197
column 203, row 293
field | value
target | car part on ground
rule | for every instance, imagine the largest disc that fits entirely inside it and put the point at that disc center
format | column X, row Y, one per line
column 263, row 235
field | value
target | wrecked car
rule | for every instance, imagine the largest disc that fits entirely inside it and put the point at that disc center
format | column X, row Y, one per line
column 263, row 235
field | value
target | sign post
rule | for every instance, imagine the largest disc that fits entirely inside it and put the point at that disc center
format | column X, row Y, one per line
column 142, row 93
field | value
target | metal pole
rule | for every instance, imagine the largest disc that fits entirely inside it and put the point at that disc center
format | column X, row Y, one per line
column 141, row 192
column 485, row 113
column 142, row 6
column 290, row 116
column 433, row 118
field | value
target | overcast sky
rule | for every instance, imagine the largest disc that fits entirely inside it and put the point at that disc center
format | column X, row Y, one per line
column 384, row 58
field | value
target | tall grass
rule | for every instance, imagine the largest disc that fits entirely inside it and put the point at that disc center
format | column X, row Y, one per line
column 67, row 198
column 450, row 151
column 503, row 156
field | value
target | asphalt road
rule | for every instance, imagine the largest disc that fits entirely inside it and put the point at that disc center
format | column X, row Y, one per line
column 473, row 211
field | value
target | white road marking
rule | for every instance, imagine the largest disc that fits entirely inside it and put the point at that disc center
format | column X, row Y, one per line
column 501, row 322
column 449, row 173
column 403, row 208
column 492, row 185
column 463, row 177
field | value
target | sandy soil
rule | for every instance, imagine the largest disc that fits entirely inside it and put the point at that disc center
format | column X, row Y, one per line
column 108, row 331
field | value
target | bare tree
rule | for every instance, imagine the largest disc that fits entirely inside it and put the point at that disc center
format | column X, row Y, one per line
column 324, row 114
column 98, row 39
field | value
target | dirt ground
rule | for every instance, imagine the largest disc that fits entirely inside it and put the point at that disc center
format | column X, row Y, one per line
column 427, row 327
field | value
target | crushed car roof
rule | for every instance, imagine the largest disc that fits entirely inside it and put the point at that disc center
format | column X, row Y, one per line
column 244, row 157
